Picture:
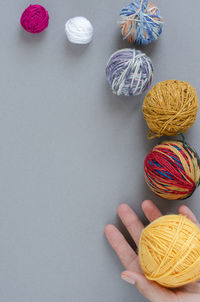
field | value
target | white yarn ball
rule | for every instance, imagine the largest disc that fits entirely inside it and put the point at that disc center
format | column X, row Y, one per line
column 79, row 30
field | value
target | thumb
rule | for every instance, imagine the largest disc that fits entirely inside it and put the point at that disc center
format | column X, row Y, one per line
column 149, row 289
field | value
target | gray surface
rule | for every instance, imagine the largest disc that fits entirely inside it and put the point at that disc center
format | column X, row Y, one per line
column 71, row 152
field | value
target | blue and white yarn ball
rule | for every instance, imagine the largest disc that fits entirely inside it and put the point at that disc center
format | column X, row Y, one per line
column 140, row 22
column 129, row 72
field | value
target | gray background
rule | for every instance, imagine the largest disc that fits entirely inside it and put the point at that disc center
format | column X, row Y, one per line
column 71, row 151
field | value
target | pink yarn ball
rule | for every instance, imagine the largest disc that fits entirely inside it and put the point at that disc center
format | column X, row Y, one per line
column 35, row 19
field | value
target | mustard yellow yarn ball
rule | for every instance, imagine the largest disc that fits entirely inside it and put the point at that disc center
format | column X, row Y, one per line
column 169, row 251
column 170, row 107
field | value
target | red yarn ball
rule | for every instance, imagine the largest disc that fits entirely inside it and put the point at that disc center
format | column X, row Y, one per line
column 35, row 19
column 172, row 170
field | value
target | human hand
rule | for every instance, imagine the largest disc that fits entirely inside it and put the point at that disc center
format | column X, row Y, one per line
column 133, row 274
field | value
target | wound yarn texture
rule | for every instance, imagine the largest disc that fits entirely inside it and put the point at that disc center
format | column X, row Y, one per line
column 129, row 72
column 170, row 107
column 172, row 170
column 140, row 22
column 35, row 19
column 79, row 30
column 169, row 251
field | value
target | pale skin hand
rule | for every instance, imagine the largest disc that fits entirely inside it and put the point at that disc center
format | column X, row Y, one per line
column 133, row 274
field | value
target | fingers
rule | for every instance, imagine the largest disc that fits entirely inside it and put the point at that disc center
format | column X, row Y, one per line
column 150, row 210
column 123, row 250
column 188, row 213
column 150, row 290
column 131, row 222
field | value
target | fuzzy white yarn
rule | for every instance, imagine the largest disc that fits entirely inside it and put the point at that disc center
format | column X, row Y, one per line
column 79, row 30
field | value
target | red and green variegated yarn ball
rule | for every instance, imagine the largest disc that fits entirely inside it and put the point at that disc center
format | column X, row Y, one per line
column 172, row 170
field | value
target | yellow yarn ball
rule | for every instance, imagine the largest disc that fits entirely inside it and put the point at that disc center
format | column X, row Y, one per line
column 170, row 107
column 169, row 251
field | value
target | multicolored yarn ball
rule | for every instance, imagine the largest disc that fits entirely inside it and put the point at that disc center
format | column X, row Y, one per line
column 140, row 22
column 170, row 107
column 169, row 251
column 172, row 170
column 129, row 72
column 35, row 19
column 79, row 30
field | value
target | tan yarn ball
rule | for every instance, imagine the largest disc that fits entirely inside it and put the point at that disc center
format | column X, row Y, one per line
column 169, row 251
column 170, row 108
